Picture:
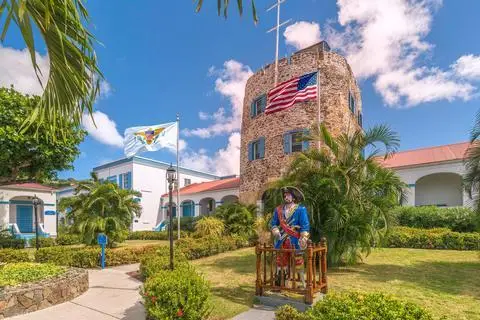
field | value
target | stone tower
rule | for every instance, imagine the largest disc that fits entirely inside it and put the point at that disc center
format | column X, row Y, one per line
column 269, row 141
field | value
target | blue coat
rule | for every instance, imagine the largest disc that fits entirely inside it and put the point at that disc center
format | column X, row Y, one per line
column 298, row 219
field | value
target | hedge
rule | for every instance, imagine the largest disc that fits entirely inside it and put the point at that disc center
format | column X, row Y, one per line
column 439, row 238
column 68, row 239
column 457, row 219
column 12, row 243
column 16, row 273
column 160, row 260
column 89, row 257
column 357, row 306
column 14, row 255
column 154, row 235
column 44, row 242
column 195, row 248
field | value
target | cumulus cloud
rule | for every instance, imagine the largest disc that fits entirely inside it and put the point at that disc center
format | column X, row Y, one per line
column 103, row 130
column 468, row 66
column 302, row 34
column 16, row 69
column 231, row 85
column 385, row 40
column 225, row 161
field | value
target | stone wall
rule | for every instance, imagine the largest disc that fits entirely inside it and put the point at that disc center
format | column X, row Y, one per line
column 31, row 297
column 332, row 108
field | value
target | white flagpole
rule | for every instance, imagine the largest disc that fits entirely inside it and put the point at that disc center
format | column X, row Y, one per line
column 179, row 209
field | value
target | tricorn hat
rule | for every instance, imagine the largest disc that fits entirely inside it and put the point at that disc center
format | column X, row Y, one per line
column 294, row 191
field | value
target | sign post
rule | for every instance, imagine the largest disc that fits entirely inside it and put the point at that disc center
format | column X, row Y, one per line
column 102, row 240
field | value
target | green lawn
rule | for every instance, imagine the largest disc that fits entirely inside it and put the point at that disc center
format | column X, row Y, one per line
column 445, row 282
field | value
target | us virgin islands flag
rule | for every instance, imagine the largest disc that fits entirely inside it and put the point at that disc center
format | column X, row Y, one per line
column 150, row 138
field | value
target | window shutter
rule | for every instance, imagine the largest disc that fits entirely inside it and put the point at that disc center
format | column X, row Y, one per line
column 305, row 143
column 120, row 180
column 128, row 185
column 264, row 102
column 252, row 109
column 261, row 147
column 250, row 152
column 287, row 139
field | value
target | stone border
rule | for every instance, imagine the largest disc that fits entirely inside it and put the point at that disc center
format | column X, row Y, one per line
column 43, row 294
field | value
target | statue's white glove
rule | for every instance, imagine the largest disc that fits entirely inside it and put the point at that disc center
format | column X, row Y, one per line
column 276, row 233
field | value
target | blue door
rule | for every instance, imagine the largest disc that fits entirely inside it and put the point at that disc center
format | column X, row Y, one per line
column 188, row 209
column 25, row 218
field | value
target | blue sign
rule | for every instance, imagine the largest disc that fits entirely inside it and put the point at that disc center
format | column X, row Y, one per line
column 50, row 213
column 102, row 239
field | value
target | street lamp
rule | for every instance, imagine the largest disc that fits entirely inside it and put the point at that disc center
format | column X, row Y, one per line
column 171, row 178
column 36, row 202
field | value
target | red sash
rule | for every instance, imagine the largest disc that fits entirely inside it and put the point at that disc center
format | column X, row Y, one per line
column 289, row 230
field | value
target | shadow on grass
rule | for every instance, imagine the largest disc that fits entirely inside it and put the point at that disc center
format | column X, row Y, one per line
column 242, row 294
column 241, row 264
column 442, row 277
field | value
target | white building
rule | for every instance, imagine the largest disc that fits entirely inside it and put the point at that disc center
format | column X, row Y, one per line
column 17, row 211
column 202, row 198
column 148, row 177
column 433, row 175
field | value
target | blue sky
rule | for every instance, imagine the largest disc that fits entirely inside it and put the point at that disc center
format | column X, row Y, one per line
column 160, row 58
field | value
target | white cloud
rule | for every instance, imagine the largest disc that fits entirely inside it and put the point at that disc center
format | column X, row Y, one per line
column 468, row 66
column 230, row 84
column 105, row 131
column 105, row 89
column 16, row 69
column 302, row 34
column 385, row 40
column 224, row 162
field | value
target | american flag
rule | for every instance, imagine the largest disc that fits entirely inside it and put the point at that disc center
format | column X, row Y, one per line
column 288, row 93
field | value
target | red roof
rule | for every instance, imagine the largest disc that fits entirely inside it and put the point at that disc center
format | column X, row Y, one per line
column 215, row 185
column 416, row 157
column 32, row 186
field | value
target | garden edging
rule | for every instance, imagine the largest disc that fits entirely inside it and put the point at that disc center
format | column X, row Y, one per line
column 43, row 294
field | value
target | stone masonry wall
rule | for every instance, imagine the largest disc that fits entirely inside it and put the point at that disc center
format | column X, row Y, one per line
column 43, row 294
column 332, row 108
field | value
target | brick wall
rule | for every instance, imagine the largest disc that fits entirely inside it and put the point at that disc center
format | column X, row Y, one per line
column 332, row 108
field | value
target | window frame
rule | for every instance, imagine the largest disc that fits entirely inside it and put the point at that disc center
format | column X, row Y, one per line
column 185, row 180
column 351, row 102
column 258, row 105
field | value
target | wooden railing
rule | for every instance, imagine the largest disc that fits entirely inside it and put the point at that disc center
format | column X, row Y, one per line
column 314, row 270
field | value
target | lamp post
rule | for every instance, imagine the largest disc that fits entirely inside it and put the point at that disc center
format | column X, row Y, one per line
column 171, row 178
column 36, row 202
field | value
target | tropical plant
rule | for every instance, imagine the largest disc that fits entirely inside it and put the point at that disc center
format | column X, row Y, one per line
column 348, row 194
column 24, row 157
column 223, row 6
column 238, row 218
column 73, row 75
column 101, row 207
column 472, row 165
column 209, row 226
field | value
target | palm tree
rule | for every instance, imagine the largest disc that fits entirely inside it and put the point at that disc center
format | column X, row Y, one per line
column 348, row 194
column 238, row 218
column 73, row 81
column 101, row 207
column 223, row 6
column 471, row 178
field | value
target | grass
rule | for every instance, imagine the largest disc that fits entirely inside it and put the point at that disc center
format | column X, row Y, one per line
column 445, row 282
column 17, row 273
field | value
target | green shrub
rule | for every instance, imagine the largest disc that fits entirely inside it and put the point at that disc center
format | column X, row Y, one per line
column 209, row 226
column 154, row 235
column 358, row 306
column 12, row 243
column 178, row 294
column 68, row 239
column 195, row 248
column 238, row 218
column 89, row 257
column 457, row 219
column 440, row 238
column 12, row 255
column 160, row 260
column 16, row 273
column 187, row 224
column 44, row 242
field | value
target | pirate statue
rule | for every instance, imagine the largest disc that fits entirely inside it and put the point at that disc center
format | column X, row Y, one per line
column 290, row 229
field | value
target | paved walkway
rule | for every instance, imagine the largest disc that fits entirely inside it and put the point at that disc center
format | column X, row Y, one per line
column 257, row 313
column 112, row 295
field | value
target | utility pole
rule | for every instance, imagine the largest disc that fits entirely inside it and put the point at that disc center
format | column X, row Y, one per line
column 277, row 28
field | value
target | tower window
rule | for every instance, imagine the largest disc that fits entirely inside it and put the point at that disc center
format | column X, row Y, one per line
column 258, row 105
column 351, row 102
column 256, row 149
column 294, row 141
column 360, row 119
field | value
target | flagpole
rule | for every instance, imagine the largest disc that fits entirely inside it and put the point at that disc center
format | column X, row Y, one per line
column 179, row 211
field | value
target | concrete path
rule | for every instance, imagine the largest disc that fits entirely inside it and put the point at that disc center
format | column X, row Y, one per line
column 257, row 313
column 113, row 294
